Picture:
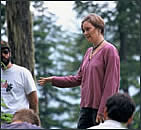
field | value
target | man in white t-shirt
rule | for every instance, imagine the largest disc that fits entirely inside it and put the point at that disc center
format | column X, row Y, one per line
column 118, row 112
column 18, row 89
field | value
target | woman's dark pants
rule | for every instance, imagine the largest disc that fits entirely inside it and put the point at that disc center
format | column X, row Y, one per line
column 87, row 118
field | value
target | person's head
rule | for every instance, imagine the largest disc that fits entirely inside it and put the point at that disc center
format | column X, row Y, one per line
column 26, row 115
column 92, row 27
column 120, row 107
column 5, row 53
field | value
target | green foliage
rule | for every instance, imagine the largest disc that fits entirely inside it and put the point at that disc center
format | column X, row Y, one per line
column 5, row 117
column 3, row 104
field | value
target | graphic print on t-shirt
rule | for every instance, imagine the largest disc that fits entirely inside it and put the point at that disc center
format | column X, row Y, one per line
column 5, row 84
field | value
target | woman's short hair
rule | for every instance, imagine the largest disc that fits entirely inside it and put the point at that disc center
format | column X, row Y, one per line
column 95, row 20
column 26, row 115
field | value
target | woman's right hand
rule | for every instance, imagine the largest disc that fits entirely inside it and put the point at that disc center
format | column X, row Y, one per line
column 44, row 80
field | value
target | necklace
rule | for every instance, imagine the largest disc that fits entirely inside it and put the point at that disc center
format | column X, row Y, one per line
column 95, row 48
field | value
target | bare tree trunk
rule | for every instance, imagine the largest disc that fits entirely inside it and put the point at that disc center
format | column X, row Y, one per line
column 19, row 24
column 122, row 44
column 123, row 52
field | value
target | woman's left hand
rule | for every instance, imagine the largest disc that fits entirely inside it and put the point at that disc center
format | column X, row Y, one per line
column 99, row 118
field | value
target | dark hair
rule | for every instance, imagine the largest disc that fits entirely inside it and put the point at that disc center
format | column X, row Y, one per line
column 95, row 20
column 26, row 115
column 120, row 107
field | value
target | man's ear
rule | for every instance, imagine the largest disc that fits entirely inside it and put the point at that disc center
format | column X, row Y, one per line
column 130, row 120
column 105, row 113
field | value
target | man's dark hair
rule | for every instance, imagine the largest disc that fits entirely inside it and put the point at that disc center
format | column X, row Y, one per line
column 26, row 115
column 120, row 107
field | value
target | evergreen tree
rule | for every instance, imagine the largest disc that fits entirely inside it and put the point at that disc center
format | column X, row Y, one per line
column 122, row 29
column 55, row 109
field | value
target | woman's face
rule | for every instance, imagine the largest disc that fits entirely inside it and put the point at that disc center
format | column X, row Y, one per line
column 90, row 32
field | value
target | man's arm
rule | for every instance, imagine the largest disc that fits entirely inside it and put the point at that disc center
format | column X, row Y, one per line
column 33, row 101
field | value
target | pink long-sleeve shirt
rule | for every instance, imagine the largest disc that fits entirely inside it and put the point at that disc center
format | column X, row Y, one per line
column 99, row 77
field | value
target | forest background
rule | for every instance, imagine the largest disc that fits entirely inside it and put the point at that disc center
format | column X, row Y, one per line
column 42, row 46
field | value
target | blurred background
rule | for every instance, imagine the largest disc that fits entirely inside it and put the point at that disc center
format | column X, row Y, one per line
column 46, row 38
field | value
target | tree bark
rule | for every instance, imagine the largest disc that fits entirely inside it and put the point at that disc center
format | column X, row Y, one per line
column 19, row 29
column 123, row 49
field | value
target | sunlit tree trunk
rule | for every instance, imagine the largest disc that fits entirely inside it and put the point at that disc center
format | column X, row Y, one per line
column 19, row 25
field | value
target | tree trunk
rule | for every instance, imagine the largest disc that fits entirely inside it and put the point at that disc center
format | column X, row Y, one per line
column 123, row 50
column 19, row 25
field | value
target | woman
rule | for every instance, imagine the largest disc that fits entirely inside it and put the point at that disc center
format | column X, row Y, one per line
column 99, row 73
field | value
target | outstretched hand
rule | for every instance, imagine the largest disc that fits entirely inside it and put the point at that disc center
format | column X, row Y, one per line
column 44, row 80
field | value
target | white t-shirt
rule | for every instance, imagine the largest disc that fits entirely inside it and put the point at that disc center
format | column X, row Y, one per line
column 16, row 83
column 109, row 124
